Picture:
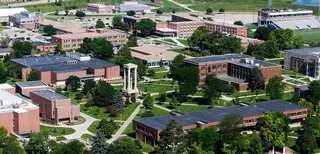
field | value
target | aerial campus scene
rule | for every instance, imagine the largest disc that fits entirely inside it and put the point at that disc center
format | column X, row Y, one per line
column 159, row 76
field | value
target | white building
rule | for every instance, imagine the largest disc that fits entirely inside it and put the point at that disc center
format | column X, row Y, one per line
column 306, row 60
column 6, row 12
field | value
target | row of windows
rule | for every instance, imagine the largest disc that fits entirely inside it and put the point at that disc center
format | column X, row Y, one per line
column 144, row 130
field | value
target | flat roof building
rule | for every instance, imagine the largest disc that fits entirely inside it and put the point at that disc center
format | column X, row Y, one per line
column 24, row 88
column 132, row 6
column 232, row 68
column 6, row 12
column 99, row 8
column 18, row 115
column 74, row 41
column 306, row 61
column 55, row 106
column 26, row 19
column 153, row 55
column 55, row 69
column 149, row 129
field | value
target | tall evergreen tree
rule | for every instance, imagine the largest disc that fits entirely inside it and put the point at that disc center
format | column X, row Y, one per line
column 99, row 145
column 306, row 142
column 255, row 79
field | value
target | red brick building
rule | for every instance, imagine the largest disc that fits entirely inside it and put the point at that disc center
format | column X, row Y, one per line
column 18, row 115
column 24, row 88
column 55, row 106
column 57, row 68
column 99, row 8
column 148, row 129
column 233, row 68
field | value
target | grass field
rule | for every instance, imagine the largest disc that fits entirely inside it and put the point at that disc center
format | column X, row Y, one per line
column 309, row 35
column 241, row 5
column 169, row 6
column 87, row 137
column 57, row 131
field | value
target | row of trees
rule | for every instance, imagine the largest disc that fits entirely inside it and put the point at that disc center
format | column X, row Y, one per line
column 208, row 43
column 99, row 47
column 273, row 128
column 275, row 41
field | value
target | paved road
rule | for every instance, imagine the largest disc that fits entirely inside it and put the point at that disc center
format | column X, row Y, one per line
column 126, row 123
column 79, row 129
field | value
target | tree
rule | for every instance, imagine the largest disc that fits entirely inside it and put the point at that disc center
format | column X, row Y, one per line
column 159, row 11
column 271, row 49
column 173, row 11
column 131, row 13
column 283, row 37
column 99, row 145
column 314, row 96
column 148, row 102
column 275, row 88
column 80, row 14
column 73, row 147
column 151, row 72
column 33, row 76
column 103, row 94
column 3, row 134
column 125, row 146
column 173, row 103
column 146, row 27
column 102, row 49
column 255, row 79
column 197, row 37
column 255, row 146
column 56, row 13
column 118, row 24
column 38, row 143
column 170, row 137
column 100, row 24
column 147, row 113
column 306, row 142
column 209, row 10
column 273, row 127
column 107, row 127
column 240, row 23
column 176, row 64
column 262, row 33
column 49, row 30
column 21, row 48
column 3, row 73
column 188, row 80
column 58, row 47
column 211, row 87
column 132, row 41
column 229, row 129
column 221, row 10
column 11, row 146
column 163, row 97
column 74, row 83
column 66, row 12
column 308, row 105
column 118, row 102
column 314, row 123
column 88, row 86
column 207, row 138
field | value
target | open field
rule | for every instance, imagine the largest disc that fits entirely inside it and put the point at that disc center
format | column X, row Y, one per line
column 169, row 6
column 309, row 35
column 241, row 5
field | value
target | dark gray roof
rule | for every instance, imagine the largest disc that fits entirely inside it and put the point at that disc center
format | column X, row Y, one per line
column 255, row 62
column 50, row 95
column 37, row 43
column 58, row 63
column 30, row 84
column 304, row 51
column 217, row 114
column 213, row 58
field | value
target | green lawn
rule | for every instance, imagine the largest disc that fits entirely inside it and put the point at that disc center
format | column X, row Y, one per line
column 242, row 5
column 87, row 137
column 147, row 148
column 60, row 138
column 184, row 42
column 309, row 35
column 278, row 61
column 169, row 6
column 285, row 97
column 159, row 75
column 93, row 127
column 157, row 69
column 239, row 94
column 151, row 88
column 128, row 130
column 101, row 112
column 58, row 131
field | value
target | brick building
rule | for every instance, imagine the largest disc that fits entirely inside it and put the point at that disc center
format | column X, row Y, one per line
column 148, row 129
column 18, row 115
column 24, row 88
column 99, row 8
column 55, row 69
column 26, row 19
column 73, row 41
column 232, row 68
column 54, row 106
